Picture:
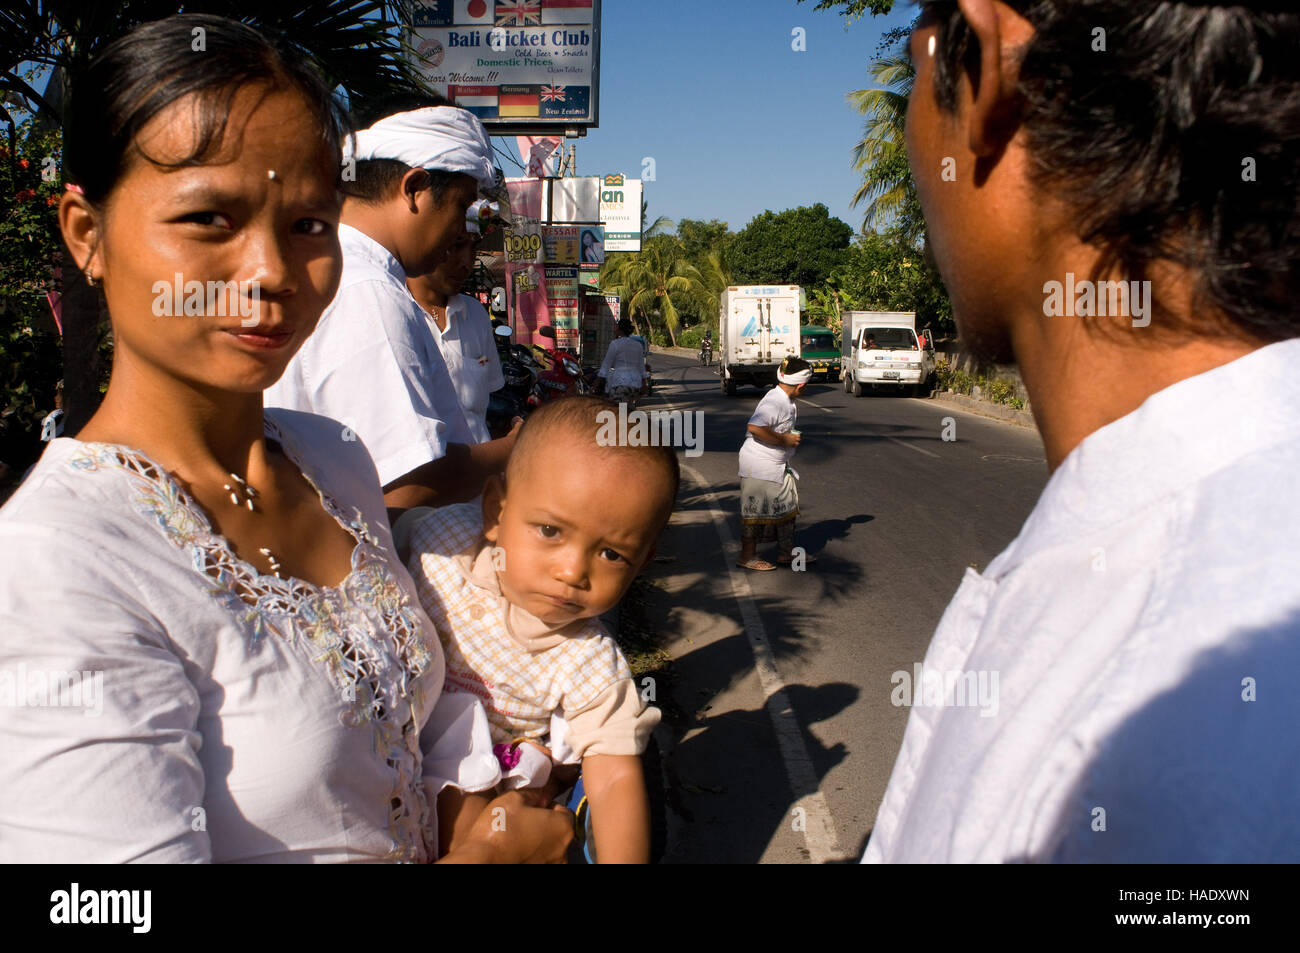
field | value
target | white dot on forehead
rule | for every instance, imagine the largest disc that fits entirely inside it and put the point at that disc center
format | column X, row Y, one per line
column 930, row 46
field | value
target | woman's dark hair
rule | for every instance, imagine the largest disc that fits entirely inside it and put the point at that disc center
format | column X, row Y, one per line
column 624, row 326
column 1172, row 130
column 140, row 74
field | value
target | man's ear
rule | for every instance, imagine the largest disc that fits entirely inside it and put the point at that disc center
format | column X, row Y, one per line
column 413, row 183
column 82, row 227
column 1000, row 32
column 494, row 504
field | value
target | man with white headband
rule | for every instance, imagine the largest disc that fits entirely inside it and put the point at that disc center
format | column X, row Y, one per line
column 373, row 362
column 769, row 495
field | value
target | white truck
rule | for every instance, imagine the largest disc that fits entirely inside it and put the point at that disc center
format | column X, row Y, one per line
column 758, row 328
column 881, row 349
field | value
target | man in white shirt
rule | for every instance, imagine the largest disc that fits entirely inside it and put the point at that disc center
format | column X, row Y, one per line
column 463, row 331
column 372, row 363
column 769, row 493
column 1119, row 684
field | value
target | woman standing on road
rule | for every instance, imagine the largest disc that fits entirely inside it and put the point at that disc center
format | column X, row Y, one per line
column 215, row 583
column 769, row 495
column 623, row 369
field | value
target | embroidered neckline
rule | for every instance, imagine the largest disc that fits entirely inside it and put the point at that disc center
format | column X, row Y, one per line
column 376, row 672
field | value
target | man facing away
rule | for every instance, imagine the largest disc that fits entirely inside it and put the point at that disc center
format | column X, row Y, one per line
column 372, row 362
column 1119, row 684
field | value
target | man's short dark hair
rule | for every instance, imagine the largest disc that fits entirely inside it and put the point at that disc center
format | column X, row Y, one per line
column 1147, row 141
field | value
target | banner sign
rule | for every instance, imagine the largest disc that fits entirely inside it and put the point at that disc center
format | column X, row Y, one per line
column 620, row 210
column 562, row 303
column 516, row 63
column 561, row 244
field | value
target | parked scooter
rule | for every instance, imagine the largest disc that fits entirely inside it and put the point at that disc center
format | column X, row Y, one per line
column 512, row 400
column 562, row 377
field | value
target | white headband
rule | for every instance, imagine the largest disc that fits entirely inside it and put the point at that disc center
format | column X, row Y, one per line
column 437, row 137
column 794, row 380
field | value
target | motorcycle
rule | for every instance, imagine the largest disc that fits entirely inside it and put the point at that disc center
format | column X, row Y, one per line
column 520, row 377
column 562, row 376
column 706, row 352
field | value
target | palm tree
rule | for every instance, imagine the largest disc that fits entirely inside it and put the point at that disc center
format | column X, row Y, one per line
column 881, row 155
column 357, row 45
column 655, row 281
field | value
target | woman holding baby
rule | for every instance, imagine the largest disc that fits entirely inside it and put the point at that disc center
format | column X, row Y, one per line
column 272, row 690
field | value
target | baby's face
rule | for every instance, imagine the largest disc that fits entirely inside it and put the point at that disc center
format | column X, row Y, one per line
column 576, row 526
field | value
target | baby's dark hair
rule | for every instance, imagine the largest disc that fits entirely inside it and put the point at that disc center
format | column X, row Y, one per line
column 140, row 74
column 580, row 416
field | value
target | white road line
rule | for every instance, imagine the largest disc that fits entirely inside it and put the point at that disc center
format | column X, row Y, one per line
column 909, row 446
column 819, row 830
column 818, row 406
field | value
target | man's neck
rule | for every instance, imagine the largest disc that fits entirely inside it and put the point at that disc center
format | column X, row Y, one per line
column 1080, row 379
column 374, row 222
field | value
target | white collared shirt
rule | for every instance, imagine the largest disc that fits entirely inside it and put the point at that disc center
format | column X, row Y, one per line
column 1144, row 632
column 468, row 348
column 373, row 365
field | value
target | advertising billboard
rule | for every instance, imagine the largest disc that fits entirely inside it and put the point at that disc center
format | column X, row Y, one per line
column 516, row 64
column 620, row 210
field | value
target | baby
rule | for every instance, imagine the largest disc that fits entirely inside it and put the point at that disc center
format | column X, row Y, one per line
column 515, row 587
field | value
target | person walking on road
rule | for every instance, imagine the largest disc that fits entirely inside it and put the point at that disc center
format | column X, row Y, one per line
column 623, row 369
column 769, row 495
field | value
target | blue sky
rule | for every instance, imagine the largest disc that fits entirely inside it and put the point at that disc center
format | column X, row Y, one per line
column 736, row 121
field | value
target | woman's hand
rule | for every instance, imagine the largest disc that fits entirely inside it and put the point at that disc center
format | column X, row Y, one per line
column 791, row 439
column 519, row 827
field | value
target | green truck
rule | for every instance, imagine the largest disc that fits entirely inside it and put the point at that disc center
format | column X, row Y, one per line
column 820, row 348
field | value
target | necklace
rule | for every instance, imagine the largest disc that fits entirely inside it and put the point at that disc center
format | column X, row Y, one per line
column 242, row 488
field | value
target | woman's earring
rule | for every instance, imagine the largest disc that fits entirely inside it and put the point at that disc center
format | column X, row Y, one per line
column 90, row 280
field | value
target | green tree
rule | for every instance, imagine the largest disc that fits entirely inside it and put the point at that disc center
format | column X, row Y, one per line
column 799, row 246
column 881, row 155
column 854, row 9
column 885, row 273
column 655, row 283
column 358, row 46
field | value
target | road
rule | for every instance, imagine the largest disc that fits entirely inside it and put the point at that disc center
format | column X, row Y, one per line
column 786, row 735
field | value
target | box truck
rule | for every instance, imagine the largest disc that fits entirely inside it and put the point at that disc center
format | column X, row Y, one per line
column 880, row 349
column 758, row 327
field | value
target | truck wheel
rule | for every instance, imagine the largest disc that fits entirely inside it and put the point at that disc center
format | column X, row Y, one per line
column 729, row 386
column 855, row 387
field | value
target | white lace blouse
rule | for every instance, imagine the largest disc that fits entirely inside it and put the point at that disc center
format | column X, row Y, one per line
column 162, row 700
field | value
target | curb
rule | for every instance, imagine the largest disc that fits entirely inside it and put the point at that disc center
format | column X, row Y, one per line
column 984, row 408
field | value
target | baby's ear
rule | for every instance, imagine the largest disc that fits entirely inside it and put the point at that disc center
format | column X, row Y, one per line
column 494, row 501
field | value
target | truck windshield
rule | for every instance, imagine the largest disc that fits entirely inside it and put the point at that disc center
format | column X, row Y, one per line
column 889, row 339
column 817, row 342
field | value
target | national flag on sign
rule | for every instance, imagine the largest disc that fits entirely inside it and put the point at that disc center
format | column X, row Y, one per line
column 574, row 103
column 474, row 12
column 480, row 100
column 432, row 13
column 517, row 101
column 552, row 93
column 566, row 11
column 519, row 12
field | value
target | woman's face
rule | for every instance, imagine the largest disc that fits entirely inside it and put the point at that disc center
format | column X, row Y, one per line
column 215, row 274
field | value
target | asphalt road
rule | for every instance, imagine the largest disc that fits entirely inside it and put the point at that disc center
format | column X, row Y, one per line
column 894, row 514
